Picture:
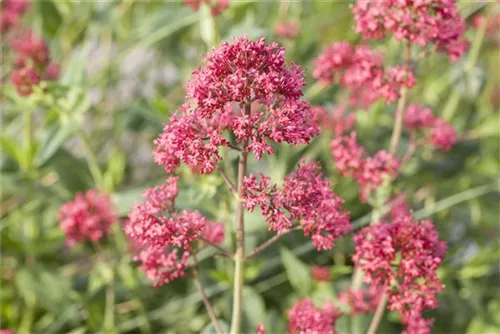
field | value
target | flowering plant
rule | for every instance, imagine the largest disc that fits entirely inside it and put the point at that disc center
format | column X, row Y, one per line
column 288, row 181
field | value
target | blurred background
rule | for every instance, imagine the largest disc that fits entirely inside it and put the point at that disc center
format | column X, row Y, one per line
column 122, row 70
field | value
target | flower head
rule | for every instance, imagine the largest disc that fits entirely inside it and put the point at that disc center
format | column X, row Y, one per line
column 306, row 197
column 12, row 10
column 443, row 135
column 261, row 329
column 305, row 318
column 402, row 257
column 24, row 79
column 88, row 216
column 213, row 232
column 161, row 264
column 216, row 6
column 246, row 88
column 418, row 117
column 419, row 22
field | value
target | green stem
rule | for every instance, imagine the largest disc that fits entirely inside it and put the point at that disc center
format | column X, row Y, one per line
column 28, row 140
column 239, row 256
column 109, row 313
column 91, row 158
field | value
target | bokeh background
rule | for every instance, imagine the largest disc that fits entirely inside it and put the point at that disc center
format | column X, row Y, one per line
column 123, row 66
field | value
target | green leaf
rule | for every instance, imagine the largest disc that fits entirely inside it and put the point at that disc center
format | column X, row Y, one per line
column 254, row 309
column 12, row 149
column 51, row 18
column 53, row 138
column 298, row 273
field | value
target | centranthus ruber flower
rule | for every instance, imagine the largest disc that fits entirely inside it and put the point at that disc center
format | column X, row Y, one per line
column 245, row 87
column 361, row 70
column 419, row 22
column 320, row 273
column 403, row 257
column 305, row 318
column 287, row 29
column 261, row 329
column 443, row 135
column 25, row 79
column 417, row 117
column 163, row 236
column 307, row 197
column 87, row 217
column 11, row 13
column 369, row 171
column 216, row 6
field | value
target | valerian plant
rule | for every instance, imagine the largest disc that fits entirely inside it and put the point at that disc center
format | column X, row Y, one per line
column 245, row 98
column 244, row 103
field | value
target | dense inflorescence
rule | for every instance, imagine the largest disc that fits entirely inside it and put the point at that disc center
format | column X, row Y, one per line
column 11, row 14
column 361, row 71
column 87, row 217
column 164, row 236
column 369, row 171
column 433, row 22
column 32, row 63
column 305, row 318
column 442, row 135
column 246, row 88
column 306, row 196
column 402, row 256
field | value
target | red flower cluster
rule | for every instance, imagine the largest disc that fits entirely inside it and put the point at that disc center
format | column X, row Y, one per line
column 12, row 11
column 336, row 120
column 216, row 6
column 88, row 216
column 419, row 22
column 398, row 206
column 305, row 318
column 306, row 196
column 32, row 63
column 320, row 273
column 443, row 136
column 163, row 234
column 402, row 257
column 362, row 301
column 213, row 233
column 287, row 29
column 351, row 160
column 246, row 88
column 361, row 71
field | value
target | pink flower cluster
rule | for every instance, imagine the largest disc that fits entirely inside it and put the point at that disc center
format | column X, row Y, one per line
column 88, row 216
column 403, row 257
column 436, row 22
column 216, row 6
column 32, row 63
column 305, row 318
column 337, row 120
column 12, row 11
column 362, row 301
column 246, row 88
column 165, row 236
column 369, row 171
column 287, row 29
column 307, row 197
column 442, row 136
column 261, row 329
column 361, row 70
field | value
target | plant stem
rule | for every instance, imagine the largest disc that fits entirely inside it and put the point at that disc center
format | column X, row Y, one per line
column 109, row 313
column 398, row 123
column 239, row 256
column 270, row 241
column 228, row 181
column 224, row 251
column 91, row 158
column 28, row 140
column 206, row 301
column 379, row 312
